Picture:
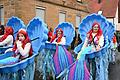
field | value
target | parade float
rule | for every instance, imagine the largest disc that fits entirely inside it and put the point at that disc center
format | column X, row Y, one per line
column 24, row 70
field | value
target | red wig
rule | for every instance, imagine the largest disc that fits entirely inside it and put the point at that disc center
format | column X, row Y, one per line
column 114, row 39
column 24, row 42
column 99, row 32
column 8, row 31
column 56, row 35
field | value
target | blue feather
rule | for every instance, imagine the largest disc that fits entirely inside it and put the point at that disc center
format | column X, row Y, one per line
column 37, row 29
column 16, row 24
column 110, row 30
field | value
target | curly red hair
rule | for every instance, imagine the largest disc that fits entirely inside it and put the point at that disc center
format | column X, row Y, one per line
column 24, row 42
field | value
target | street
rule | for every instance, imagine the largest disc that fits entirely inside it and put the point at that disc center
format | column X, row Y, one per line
column 114, row 68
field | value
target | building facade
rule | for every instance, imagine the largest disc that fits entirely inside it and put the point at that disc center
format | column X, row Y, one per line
column 51, row 11
column 110, row 9
column 56, row 11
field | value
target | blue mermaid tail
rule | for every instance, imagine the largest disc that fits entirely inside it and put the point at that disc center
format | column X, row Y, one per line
column 9, row 60
column 79, row 70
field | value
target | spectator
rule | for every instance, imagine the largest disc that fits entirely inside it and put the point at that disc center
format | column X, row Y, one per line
column 73, row 42
column 50, row 34
column 79, row 39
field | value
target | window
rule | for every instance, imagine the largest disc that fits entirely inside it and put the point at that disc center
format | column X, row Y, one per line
column 2, row 15
column 62, row 16
column 40, row 12
column 78, row 20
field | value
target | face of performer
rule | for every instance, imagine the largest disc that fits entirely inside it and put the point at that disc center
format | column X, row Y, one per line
column 59, row 33
column 21, row 37
column 95, row 28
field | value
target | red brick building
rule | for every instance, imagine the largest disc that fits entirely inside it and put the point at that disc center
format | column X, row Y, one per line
column 55, row 11
column 51, row 11
column 110, row 9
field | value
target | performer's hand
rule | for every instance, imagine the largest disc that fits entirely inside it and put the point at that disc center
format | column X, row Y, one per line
column 93, row 48
column 98, row 48
column 19, row 43
column 79, row 54
column 57, row 44
column 88, row 35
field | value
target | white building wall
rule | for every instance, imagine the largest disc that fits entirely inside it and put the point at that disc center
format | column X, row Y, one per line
column 115, row 21
column 117, row 25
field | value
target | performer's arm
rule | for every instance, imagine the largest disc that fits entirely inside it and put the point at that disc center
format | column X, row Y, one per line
column 101, row 41
column 83, row 47
column 85, row 44
column 25, row 51
column 63, row 41
column 7, row 40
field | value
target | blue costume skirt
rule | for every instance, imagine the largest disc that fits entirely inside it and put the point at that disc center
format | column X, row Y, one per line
column 62, row 59
column 79, row 70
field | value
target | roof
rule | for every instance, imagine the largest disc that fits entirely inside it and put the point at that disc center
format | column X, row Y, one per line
column 109, row 7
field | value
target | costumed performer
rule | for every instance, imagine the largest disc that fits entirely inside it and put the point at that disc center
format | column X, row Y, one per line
column 22, row 48
column 62, row 58
column 93, row 42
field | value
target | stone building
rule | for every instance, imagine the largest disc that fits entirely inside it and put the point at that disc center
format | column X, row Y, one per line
column 51, row 11
column 55, row 11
